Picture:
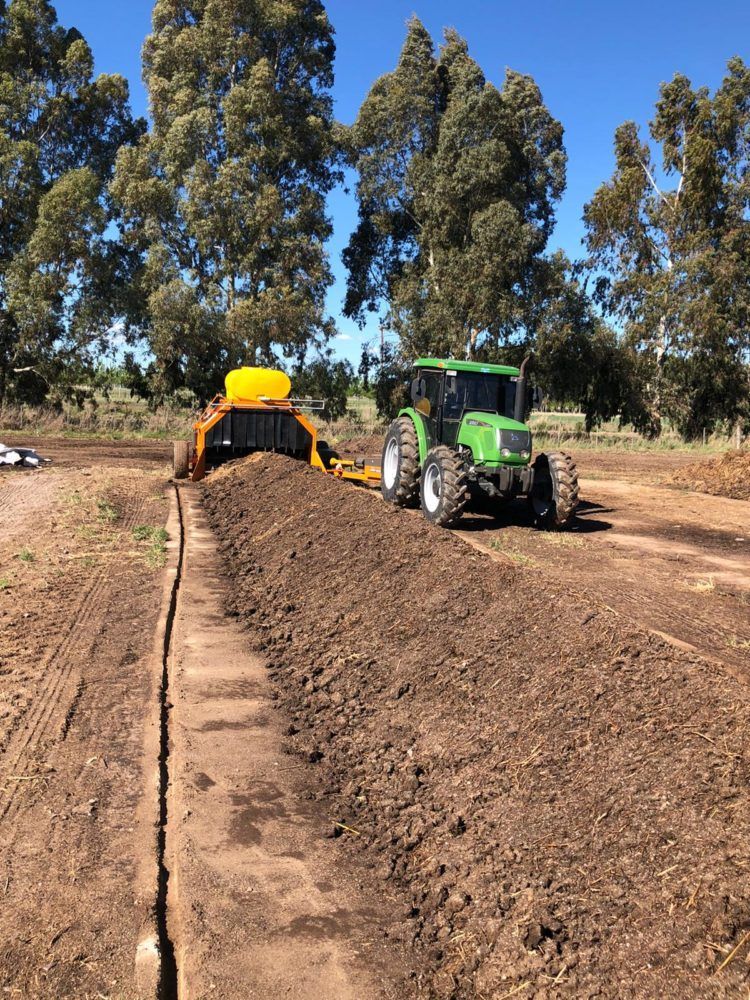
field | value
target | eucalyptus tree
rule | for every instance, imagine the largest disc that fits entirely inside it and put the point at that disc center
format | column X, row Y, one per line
column 457, row 183
column 669, row 246
column 64, row 276
column 225, row 197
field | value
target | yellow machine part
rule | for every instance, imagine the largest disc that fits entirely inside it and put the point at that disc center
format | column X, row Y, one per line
column 245, row 385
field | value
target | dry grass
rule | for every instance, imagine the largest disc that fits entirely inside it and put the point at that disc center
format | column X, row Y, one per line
column 567, row 431
column 562, row 539
column 106, row 420
column 702, row 586
column 511, row 551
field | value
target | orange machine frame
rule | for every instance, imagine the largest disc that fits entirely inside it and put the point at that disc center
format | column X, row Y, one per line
column 217, row 409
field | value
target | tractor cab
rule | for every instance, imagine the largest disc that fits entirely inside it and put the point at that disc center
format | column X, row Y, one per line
column 474, row 407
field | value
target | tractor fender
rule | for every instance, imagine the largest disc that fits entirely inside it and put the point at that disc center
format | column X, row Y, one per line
column 419, row 424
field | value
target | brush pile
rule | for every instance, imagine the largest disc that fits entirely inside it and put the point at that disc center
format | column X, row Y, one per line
column 727, row 476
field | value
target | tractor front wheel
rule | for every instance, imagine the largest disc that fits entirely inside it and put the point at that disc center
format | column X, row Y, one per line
column 554, row 495
column 400, row 464
column 444, row 487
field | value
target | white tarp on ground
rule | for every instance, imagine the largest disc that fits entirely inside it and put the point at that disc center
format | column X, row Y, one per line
column 21, row 456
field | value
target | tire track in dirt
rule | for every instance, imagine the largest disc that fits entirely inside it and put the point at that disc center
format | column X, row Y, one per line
column 51, row 713
column 23, row 495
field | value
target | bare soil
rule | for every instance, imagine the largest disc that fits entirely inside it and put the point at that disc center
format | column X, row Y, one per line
column 558, row 795
column 77, row 611
column 261, row 906
column 78, row 453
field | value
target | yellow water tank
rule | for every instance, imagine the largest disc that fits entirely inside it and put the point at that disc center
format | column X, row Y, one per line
column 251, row 384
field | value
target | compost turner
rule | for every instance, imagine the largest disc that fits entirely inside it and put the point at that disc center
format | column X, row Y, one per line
column 257, row 414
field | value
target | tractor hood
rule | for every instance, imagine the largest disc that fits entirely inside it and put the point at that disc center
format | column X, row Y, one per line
column 494, row 439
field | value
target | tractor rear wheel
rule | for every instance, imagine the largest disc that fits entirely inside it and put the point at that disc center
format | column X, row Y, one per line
column 444, row 487
column 181, row 459
column 554, row 495
column 400, row 464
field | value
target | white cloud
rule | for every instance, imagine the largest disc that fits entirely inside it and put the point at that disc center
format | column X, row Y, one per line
column 343, row 336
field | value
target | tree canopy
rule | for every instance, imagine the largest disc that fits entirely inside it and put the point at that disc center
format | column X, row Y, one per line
column 669, row 247
column 457, row 182
column 225, row 197
column 64, row 275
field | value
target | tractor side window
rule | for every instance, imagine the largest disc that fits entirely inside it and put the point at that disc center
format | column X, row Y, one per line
column 453, row 402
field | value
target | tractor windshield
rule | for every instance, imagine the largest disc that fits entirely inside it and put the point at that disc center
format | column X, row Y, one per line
column 478, row 391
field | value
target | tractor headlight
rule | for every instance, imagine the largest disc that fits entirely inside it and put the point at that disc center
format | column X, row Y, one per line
column 506, row 452
column 525, row 454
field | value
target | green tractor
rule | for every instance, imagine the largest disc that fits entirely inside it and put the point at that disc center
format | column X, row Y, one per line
column 464, row 436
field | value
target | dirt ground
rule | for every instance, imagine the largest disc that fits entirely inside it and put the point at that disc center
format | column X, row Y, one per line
column 494, row 774
column 77, row 611
column 262, row 907
column 671, row 560
column 559, row 796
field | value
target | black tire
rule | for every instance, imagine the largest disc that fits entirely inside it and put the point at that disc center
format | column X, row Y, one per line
column 182, row 451
column 444, row 486
column 400, row 464
column 554, row 495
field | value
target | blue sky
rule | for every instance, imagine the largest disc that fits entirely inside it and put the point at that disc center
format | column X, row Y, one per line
column 598, row 64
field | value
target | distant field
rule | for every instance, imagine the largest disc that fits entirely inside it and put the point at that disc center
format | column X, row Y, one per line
column 124, row 417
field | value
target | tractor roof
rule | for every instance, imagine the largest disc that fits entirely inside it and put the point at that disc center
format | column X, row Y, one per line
column 466, row 366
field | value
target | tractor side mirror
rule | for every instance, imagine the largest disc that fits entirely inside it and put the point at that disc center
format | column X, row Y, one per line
column 418, row 390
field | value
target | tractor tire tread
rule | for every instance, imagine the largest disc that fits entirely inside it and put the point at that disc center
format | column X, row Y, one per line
column 456, row 486
column 407, row 491
column 568, row 491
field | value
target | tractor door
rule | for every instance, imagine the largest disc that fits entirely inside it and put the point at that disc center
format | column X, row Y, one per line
column 454, row 403
column 428, row 402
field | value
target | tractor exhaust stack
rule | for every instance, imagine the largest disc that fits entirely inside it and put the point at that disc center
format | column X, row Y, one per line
column 521, row 385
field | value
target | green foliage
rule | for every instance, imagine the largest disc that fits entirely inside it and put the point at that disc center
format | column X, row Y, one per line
column 107, row 511
column 456, row 190
column 669, row 246
column 324, row 378
column 64, row 276
column 225, row 198
column 579, row 360
column 155, row 542
column 392, row 380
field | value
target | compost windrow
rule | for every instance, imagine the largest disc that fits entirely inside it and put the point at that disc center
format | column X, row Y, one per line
column 560, row 798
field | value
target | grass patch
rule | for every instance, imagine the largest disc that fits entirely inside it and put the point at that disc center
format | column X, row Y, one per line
column 148, row 533
column 510, row 551
column 742, row 644
column 26, row 555
column 155, row 540
column 107, row 511
column 562, row 539
column 5, row 583
column 704, row 586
